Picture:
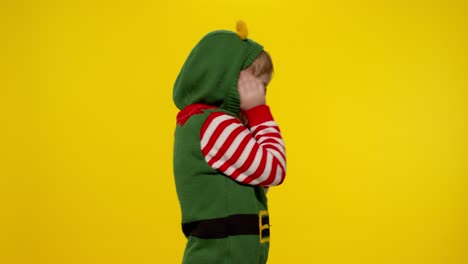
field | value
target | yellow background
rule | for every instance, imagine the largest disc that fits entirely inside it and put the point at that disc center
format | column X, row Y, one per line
column 371, row 97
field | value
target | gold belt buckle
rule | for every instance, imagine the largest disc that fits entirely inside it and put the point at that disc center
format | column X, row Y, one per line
column 263, row 226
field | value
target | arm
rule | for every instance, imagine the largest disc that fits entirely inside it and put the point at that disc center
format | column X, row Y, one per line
column 255, row 156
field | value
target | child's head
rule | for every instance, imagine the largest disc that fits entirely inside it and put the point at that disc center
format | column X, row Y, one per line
column 210, row 74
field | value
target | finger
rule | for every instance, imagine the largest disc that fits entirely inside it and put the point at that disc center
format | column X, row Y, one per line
column 247, row 75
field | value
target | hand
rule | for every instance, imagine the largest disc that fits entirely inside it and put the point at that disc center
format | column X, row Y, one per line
column 251, row 91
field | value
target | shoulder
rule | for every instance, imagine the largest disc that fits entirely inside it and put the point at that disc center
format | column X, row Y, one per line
column 218, row 115
column 216, row 119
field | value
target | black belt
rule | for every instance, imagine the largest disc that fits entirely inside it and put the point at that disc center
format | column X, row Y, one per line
column 233, row 225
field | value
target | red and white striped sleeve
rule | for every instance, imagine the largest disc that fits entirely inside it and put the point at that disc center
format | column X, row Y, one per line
column 255, row 156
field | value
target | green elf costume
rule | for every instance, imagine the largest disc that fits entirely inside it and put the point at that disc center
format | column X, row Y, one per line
column 223, row 168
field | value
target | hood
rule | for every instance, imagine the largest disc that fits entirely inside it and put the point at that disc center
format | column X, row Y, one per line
column 210, row 73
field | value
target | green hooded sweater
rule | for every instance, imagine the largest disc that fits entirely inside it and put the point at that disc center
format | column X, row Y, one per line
column 209, row 76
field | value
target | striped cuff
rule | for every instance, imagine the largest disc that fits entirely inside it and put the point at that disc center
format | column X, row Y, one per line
column 258, row 115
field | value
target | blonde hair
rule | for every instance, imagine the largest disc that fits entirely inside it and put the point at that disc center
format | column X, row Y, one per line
column 262, row 64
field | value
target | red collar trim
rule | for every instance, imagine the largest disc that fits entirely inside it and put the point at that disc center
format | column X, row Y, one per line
column 191, row 110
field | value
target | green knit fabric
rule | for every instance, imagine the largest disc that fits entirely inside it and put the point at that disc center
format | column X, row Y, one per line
column 209, row 76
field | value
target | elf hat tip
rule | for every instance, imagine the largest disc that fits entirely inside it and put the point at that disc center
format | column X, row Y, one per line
column 241, row 28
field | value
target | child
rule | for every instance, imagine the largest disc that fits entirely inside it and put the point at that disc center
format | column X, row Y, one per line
column 222, row 165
